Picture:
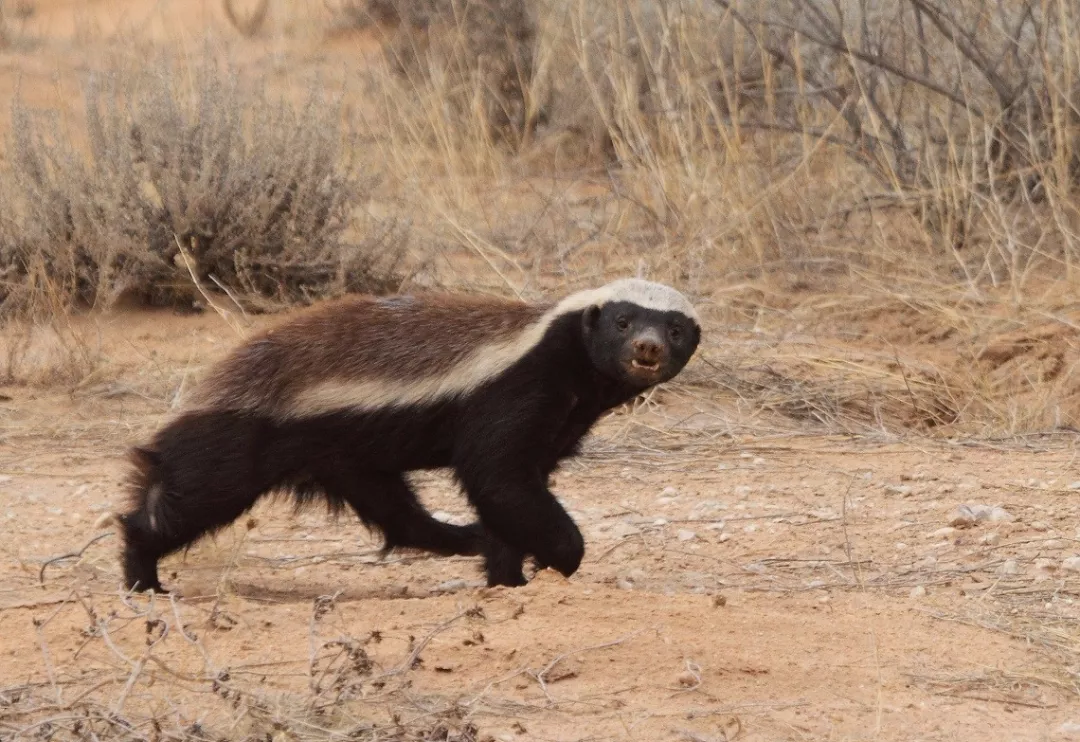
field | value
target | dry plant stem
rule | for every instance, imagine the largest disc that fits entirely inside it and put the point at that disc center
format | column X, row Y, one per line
column 410, row 662
column 542, row 673
column 225, row 314
column 70, row 555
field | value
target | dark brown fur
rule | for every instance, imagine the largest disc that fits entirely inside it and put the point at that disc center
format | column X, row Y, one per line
column 402, row 338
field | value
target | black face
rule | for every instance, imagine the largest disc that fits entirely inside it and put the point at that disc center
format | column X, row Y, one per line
column 639, row 346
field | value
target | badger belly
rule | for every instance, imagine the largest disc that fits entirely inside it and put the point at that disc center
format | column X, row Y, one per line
column 402, row 439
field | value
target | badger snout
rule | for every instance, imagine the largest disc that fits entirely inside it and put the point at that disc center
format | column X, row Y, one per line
column 648, row 354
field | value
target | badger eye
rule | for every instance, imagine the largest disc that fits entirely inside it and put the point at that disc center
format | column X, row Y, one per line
column 675, row 333
column 623, row 324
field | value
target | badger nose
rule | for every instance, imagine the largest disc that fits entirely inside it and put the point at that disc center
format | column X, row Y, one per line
column 647, row 350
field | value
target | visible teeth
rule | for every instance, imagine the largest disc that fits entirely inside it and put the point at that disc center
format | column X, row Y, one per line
column 649, row 366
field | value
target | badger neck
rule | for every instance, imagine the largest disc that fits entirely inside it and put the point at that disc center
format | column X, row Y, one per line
column 563, row 354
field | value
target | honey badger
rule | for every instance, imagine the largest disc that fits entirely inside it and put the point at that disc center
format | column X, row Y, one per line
column 341, row 402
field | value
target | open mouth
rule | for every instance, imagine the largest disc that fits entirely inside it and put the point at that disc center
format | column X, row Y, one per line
column 654, row 366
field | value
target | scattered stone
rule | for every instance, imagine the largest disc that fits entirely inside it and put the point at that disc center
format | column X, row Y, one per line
column 688, row 679
column 660, row 522
column 624, row 585
column 900, row 546
column 742, row 490
column 669, row 492
column 750, row 528
column 724, row 537
column 1009, row 567
column 4, row 479
column 1070, row 729
column 946, row 489
column 1072, row 564
column 990, row 539
column 918, row 592
column 928, row 562
column 1074, row 485
column 451, row 586
column 1039, row 526
column 814, row 584
column 898, row 489
column 686, row 535
column 756, row 568
column 1044, row 568
column 966, row 516
column 942, row 532
column 758, row 461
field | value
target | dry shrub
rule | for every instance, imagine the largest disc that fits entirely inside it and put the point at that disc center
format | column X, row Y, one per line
column 476, row 55
column 259, row 193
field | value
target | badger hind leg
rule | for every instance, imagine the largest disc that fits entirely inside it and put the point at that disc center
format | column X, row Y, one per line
column 387, row 503
column 200, row 475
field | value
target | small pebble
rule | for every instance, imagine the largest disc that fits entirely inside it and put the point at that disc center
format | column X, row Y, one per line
column 4, row 479
column 724, row 537
column 968, row 515
column 1044, row 568
column 687, row 679
column 918, row 592
column 624, row 585
column 686, row 535
column 1070, row 729
column 451, row 586
column 1074, row 485
column 942, row 532
column 1009, row 567
column 669, row 492
column 990, row 539
column 1039, row 526
column 1072, row 564
column 898, row 489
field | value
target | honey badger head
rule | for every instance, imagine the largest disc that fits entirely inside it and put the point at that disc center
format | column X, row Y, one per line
column 640, row 333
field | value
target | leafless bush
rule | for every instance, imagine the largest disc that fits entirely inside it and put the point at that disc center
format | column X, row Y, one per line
column 256, row 192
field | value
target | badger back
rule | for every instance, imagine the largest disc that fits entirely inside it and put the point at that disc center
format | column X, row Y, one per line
column 367, row 353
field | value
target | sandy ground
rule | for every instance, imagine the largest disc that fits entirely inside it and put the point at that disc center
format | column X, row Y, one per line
column 736, row 586
column 742, row 581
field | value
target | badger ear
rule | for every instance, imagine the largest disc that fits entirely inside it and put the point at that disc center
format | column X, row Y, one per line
column 590, row 318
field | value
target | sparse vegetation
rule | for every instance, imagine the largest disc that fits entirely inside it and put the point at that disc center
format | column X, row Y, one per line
column 874, row 204
column 180, row 173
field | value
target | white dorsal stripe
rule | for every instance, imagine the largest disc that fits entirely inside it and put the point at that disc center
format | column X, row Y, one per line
column 481, row 365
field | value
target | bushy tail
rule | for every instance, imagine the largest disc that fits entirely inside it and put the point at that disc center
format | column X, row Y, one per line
column 142, row 520
column 145, row 486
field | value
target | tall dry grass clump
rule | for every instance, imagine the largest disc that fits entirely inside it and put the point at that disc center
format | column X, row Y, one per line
column 775, row 130
column 182, row 176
